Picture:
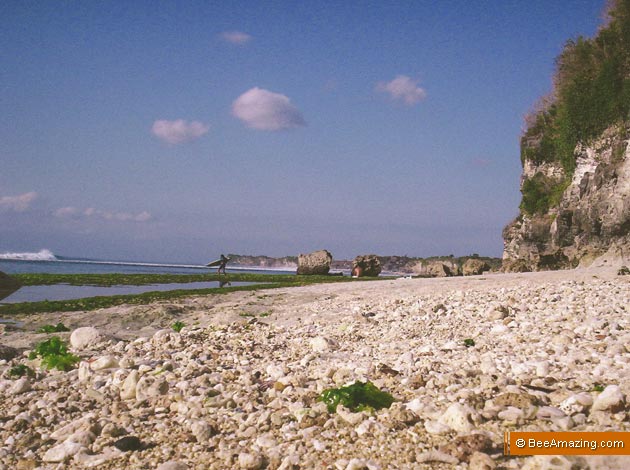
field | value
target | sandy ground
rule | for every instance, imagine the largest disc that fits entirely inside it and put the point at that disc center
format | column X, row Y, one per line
column 282, row 307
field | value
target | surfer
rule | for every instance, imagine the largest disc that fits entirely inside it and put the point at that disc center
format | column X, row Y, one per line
column 224, row 262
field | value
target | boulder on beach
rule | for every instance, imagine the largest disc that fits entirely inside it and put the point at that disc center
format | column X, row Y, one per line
column 317, row 262
column 474, row 266
column 369, row 265
column 85, row 337
column 438, row 268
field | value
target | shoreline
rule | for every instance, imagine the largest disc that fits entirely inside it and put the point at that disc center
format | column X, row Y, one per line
column 264, row 356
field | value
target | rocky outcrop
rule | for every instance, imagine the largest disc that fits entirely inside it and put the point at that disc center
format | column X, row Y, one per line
column 368, row 265
column 8, row 285
column 473, row 267
column 590, row 225
column 317, row 262
column 437, row 268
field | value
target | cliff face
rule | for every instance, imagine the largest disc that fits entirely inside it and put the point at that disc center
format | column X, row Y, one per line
column 588, row 218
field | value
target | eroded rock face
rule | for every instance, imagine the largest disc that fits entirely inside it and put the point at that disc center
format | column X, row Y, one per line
column 591, row 223
column 317, row 262
column 473, row 267
column 438, row 268
column 369, row 265
column 8, row 285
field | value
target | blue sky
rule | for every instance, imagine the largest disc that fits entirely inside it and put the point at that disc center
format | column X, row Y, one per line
column 175, row 131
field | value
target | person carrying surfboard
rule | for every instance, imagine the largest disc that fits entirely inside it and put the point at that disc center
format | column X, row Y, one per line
column 224, row 262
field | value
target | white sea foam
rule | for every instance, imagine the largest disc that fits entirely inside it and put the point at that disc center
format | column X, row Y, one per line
column 41, row 255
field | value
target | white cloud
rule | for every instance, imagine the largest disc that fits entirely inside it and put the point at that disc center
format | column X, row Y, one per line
column 66, row 212
column 18, row 203
column 236, row 37
column 90, row 212
column 403, row 88
column 267, row 111
column 179, row 131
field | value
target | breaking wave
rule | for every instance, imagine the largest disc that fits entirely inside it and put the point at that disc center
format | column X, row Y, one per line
column 42, row 255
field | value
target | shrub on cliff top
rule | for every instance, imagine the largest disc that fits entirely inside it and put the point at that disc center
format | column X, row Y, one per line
column 591, row 92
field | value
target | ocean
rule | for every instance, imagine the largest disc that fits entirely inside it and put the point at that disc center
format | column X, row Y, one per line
column 45, row 261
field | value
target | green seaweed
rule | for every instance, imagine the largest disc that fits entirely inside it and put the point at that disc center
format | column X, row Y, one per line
column 359, row 396
column 178, row 325
column 469, row 342
column 20, row 370
column 58, row 328
column 54, row 354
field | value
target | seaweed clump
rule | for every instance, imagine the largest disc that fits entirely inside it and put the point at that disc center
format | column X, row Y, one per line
column 360, row 396
column 54, row 355
column 58, row 328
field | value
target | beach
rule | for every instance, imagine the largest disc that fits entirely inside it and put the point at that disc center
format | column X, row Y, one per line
column 465, row 359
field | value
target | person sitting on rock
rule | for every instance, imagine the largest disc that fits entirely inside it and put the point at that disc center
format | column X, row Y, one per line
column 357, row 271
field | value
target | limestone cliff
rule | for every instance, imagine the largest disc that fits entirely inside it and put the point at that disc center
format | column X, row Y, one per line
column 591, row 219
column 576, row 160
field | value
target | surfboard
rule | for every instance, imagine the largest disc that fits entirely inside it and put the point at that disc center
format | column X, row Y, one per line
column 214, row 263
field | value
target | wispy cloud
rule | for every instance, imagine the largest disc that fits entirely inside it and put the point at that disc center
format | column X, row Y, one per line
column 18, row 203
column 403, row 88
column 71, row 212
column 179, row 131
column 236, row 37
column 267, row 111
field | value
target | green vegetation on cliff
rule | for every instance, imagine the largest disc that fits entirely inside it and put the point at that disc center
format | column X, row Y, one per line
column 591, row 93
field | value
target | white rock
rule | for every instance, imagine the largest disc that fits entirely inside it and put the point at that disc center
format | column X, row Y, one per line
column 173, row 465
column 548, row 412
column 321, row 344
column 361, row 464
column 498, row 329
column 548, row 462
column 21, row 385
column 62, row 452
column 275, row 371
column 436, row 456
column 202, row 431
column 415, row 405
column 150, row 386
column 83, row 437
column 458, row 417
column 436, row 428
column 318, row 445
column 611, row 399
column 348, row 416
column 128, row 388
column 481, row 461
column 81, row 424
column 104, row 362
column 91, row 461
column 512, row 415
column 266, row 441
column 249, row 461
column 85, row 337
column 542, row 369
column 84, row 372
column 576, row 403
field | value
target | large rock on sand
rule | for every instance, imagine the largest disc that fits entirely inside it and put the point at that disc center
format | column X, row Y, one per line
column 8, row 285
column 317, row 262
column 85, row 337
column 369, row 265
column 473, row 267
